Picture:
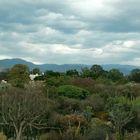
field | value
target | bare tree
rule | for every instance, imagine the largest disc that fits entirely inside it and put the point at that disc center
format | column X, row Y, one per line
column 22, row 110
column 121, row 115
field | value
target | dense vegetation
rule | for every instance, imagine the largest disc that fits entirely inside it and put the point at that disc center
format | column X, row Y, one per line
column 93, row 104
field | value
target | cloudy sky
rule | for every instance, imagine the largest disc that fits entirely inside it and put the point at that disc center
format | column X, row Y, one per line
column 71, row 31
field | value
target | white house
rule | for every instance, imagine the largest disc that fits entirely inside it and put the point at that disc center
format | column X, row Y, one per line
column 33, row 76
column 3, row 81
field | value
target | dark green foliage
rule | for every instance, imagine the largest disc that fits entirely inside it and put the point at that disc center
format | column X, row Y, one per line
column 19, row 75
column 72, row 72
column 115, row 75
column 88, row 113
column 121, row 115
column 51, row 73
column 135, row 75
column 40, row 78
column 4, row 75
column 96, row 71
column 68, row 105
column 85, row 72
column 104, row 80
column 57, row 81
column 65, row 136
column 96, row 102
column 36, row 71
column 86, row 83
column 53, row 81
column 98, row 133
column 92, row 105
column 72, row 92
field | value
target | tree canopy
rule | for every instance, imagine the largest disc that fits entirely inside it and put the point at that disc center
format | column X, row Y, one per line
column 135, row 75
column 19, row 75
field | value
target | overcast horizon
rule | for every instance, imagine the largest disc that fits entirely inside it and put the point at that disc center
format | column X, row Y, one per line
column 71, row 31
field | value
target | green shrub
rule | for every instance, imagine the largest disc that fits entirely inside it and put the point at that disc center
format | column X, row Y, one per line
column 68, row 105
column 133, row 136
column 96, row 102
column 57, row 81
column 97, row 134
column 73, row 92
column 50, row 136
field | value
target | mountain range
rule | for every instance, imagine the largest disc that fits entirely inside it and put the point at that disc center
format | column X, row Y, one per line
column 8, row 63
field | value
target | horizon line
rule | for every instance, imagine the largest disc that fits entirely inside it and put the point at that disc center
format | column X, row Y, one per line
column 67, row 63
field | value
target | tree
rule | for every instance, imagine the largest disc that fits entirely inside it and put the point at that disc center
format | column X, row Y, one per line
column 97, row 133
column 86, row 83
column 85, row 72
column 96, row 71
column 115, row 75
column 135, row 75
column 22, row 111
column 72, row 92
column 4, row 75
column 19, row 75
column 88, row 113
column 72, row 72
column 121, row 115
column 96, row 102
column 36, row 71
column 51, row 73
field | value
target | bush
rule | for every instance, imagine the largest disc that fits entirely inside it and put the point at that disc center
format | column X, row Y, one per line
column 72, row 92
column 104, row 80
column 86, row 83
column 96, row 102
column 68, row 105
column 97, row 134
column 57, row 81
column 50, row 136
column 132, row 136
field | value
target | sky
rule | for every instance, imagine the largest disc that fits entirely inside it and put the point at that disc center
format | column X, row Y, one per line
column 71, row 31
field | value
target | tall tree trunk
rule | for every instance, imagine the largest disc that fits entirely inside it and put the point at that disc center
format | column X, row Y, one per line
column 19, row 131
column 19, row 136
column 119, row 134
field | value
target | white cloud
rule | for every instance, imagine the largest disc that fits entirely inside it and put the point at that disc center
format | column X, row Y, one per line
column 70, row 31
column 95, row 8
column 129, row 44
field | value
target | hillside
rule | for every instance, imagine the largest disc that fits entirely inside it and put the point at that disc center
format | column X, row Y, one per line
column 8, row 63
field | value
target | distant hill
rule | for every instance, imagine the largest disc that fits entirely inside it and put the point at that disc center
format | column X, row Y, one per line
column 8, row 63
column 126, row 69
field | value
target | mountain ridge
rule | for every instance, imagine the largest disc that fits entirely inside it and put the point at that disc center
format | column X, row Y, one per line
column 8, row 63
